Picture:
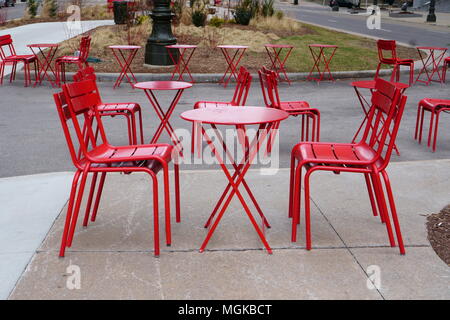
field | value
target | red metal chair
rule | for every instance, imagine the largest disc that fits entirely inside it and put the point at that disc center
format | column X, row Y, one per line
column 370, row 156
column 128, row 110
column 239, row 98
column 444, row 69
column 8, row 56
column 389, row 46
column 269, row 87
column 85, row 45
column 435, row 107
column 79, row 100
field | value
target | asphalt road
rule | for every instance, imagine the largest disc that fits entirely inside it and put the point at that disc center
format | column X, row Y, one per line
column 403, row 32
column 32, row 140
column 15, row 12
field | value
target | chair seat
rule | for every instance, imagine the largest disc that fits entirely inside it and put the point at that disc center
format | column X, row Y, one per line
column 211, row 104
column 338, row 154
column 294, row 106
column 119, row 107
column 68, row 59
column 20, row 57
column 432, row 104
column 405, row 61
column 107, row 156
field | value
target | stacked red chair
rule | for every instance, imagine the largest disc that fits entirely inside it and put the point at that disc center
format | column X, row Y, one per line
column 370, row 156
column 387, row 55
column 239, row 98
column 80, row 60
column 444, row 69
column 8, row 56
column 78, row 104
column 269, row 87
column 127, row 109
column 434, row 107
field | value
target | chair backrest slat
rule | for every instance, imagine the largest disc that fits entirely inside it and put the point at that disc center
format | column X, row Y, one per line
column 82, row 100
column 389, row 47
column 269, row 87
column 85, row 46
column 384, row 118
column 242, row 89
column 87, row 73
column 6, row 41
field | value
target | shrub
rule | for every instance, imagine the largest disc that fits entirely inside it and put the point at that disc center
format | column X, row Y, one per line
column 32, row 8
column 49, row 8
column 216, row 22
column 199, row 18
column 279, row 15
column 267, row 9
column 242, row 15
column 142, row 20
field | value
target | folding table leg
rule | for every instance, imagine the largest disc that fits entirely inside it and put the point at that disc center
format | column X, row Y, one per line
column 235, row 185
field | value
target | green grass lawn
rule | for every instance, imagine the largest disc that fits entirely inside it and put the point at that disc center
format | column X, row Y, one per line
column 353, row 53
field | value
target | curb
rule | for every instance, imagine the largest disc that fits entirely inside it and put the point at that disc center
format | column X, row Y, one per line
column 216, row 77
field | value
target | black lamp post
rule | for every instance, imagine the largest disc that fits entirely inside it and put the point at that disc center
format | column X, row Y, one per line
column 155, row 51
column 431, row 17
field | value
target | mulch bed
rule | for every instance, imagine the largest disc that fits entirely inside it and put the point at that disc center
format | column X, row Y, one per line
column 438, row 226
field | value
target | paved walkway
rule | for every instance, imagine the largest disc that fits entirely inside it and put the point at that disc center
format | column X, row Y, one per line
column 115, row 259
column 47, row 32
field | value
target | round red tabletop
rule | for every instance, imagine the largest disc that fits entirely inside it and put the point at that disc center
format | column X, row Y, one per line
column 323, row 45
column 235, row 115
column 181, row 46
column 43, row 45
column 231, row 46
column 278, row 45
column 432, row 48
column 124, row 47
column 163, row 85
column 370, row 84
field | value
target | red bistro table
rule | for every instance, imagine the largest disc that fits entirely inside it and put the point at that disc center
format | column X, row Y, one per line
column 125, row 62
column 149, row 88
column 433, row 60
column 44, row 60
column 274, row 51
column 319, row 57
column 181, row 65
column 232, row 61
column 366, row 105
column 266, row 119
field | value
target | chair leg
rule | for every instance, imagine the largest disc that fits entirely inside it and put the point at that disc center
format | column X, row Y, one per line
column 436, row 130
column 89, row 202
column 370, row 191
column 77, row 206
column 296, row 201
column 155, row 213
column 431, row 128
column 140, row 126
column 291, row 185
column 176, row 168
column 378, row 70
column 307, row 211
column 394, row 212
column 99, row 195
column 419, row 107
column 422, row 116
column 167, row 204
column 73, row 192
column 379, row 193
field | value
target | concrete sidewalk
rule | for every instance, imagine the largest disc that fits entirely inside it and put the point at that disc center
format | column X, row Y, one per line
column 47, row 32
column 114, row 254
